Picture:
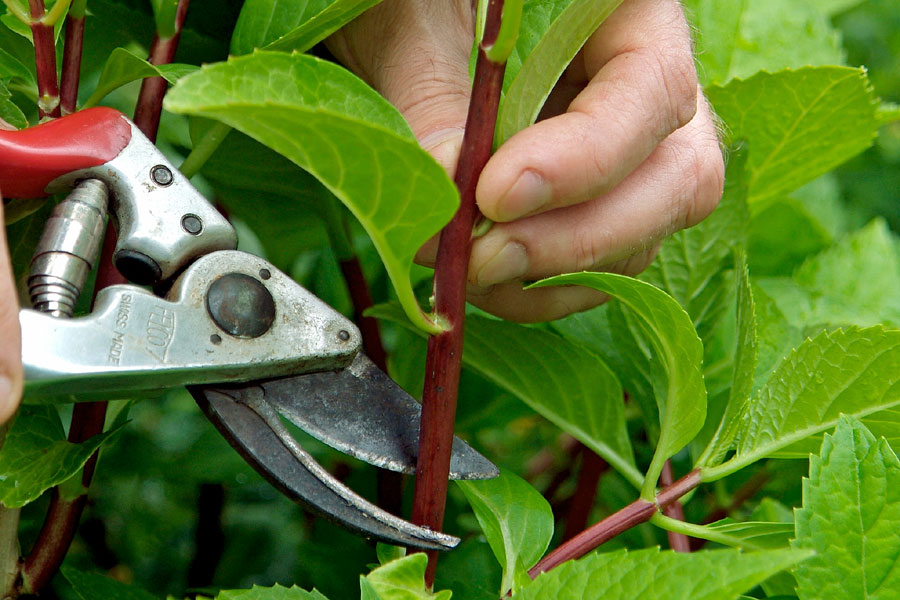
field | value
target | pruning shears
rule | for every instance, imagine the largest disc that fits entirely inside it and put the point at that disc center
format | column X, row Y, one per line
column 253, row 346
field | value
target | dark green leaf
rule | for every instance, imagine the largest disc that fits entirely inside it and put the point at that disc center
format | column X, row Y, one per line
column 94, row 586
column 123, row 66
column 9, row 112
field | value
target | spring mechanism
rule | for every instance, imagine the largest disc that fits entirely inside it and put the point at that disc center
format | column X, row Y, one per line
column 68, row 249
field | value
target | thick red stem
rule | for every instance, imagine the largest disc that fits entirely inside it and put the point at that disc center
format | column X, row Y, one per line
column 443, row 362
column 162, row 51
column 44, row 62
column 71, row 64
column 639, row 511
column 677, row 541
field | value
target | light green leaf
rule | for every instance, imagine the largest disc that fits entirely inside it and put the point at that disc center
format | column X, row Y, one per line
column 352, row 140
column 763, row 534
column 124, row 66
column 854, row 372
column 292, row 24
column 833, row 7
column 387, row 553
column 776, row 336
column 743, row 371
column 850, row 517
column 36, row 455
column 677, row 358
column 654, row 575
column 739, row 38
column 883, row 424
column 9, row 112
column 94, row 586
column 516, row 520
column 276, row 592
column 404, row 579
column 164, row 12
column 550, row 36
column 798, row 124
column 366, row 590
column 566, row 383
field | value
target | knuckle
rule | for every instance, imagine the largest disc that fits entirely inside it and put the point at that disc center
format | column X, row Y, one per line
column 706, row 178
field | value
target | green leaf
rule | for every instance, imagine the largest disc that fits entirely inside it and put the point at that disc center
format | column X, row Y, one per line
column 883, row 424
column 850, row 516
column 94, row 586
column 367, row 590
column 516, row 520
column 10, row 66
column 36, row 455
column 740, row 38
column 403, row 579
column 853, row 372
column 164, row 12
column 292, row 24
column 566, row 383
column 550, row 35
column 798, row 124
column 276, row 592
column 762, row 534
column 387, row 553
column 833, row 7
column 678, row 360
column 743, row 372
column 124, row 66
column 9, row 112
column 331, row 124
column 654, row 575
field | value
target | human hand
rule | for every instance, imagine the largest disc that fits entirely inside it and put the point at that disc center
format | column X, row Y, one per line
column 11, row 347
column 626, row 153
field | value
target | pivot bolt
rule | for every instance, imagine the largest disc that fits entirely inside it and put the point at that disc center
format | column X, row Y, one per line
column 240, row 305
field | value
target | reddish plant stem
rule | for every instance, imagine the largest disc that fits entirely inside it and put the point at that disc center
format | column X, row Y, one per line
column 71, row 64
column 44, row 62
column 639, row 511
column 162, row 51
column 592, row 467
column 677, row 541
column 443, row 362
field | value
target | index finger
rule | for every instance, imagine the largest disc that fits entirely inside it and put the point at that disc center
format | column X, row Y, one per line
column 11, row 348
column 643, row 86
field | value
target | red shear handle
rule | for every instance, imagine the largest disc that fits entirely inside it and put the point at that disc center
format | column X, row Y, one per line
column 32, row 158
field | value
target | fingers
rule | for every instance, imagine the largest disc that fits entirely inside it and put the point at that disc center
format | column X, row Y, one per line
column 676, row 187
column 10, row 349
column 642, row 87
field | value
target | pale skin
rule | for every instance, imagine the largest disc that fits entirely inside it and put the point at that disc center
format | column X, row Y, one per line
column 625, row 153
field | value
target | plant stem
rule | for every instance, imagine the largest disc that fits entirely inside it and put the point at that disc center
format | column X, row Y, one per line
column 639, row 511
column 44, row 61
column 204, row 149
column 9, row 539
column 699, row 531
column 443, row 362
column 592, row 467
column 677, row 541
column 162, row 51
column 71, row 63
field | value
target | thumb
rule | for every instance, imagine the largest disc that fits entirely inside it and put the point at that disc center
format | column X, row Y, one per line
column 11, row 348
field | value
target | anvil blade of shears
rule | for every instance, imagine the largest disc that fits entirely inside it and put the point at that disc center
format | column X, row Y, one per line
column 228, row 317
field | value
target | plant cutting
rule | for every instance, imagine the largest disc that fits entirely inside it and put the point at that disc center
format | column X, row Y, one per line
column 706, row 382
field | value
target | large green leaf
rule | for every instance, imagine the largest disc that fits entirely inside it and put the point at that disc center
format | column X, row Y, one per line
column 9, row 112
column 854, row 372
column 124, row 66
column 291, row 24
column 566, row 383
column 799, row 124
column 36, row 455
column 94, row 586
column 12, row 67
column 850, row 517
column 403, row 579
column 677, row 357
column 516, row 520
column 739, row 38
column 550, row 36
column 654, row 575
column 276, row 592
column 743, row 371
column 352, row 140
column 883, row 424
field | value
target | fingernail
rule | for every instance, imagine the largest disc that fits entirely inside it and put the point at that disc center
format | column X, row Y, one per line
column 528, row 194
column 508, row 264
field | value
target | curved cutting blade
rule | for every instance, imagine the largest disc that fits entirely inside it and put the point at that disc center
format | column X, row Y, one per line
column 254, row 429
column 360, row 411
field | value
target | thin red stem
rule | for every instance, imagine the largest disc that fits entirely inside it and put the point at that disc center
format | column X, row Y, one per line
column 677, row 541
column 71, row 64
column 592, row 467
column 162, row 51
column 443, row 362
column 44, row 61
column 639, row 511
